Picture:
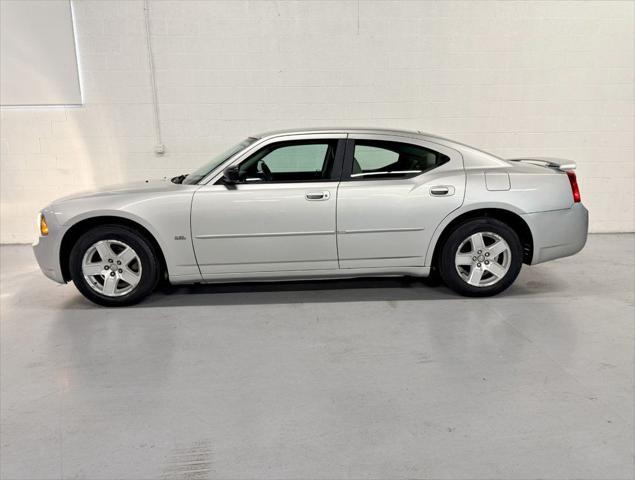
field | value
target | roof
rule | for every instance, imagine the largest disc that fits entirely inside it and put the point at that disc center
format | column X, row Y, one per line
column 318, row 130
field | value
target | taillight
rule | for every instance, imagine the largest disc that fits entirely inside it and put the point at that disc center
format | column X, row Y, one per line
column 574, row 186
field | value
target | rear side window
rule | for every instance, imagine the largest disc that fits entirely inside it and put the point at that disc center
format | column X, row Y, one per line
column 375, row 159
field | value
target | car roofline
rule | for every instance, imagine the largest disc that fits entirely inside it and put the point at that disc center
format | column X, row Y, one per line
column 350, row 130
column 374, row 131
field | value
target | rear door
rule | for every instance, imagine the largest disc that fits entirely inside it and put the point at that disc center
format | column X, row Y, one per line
column 394, row 192
column 279, row 217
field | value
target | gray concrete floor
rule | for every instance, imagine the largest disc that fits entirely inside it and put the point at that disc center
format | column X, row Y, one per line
column 348, row 379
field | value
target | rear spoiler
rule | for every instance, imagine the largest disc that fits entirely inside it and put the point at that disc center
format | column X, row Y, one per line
column 557, row 163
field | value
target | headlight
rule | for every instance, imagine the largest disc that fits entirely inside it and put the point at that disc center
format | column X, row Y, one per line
column 44, row 229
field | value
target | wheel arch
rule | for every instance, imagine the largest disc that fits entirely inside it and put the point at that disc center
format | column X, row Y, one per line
column 508, row 216
column 85, row 224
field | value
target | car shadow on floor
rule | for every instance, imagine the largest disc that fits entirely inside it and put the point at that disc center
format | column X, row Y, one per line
column 381, row 289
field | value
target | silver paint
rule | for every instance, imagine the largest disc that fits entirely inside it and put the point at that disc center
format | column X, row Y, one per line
column 261, row 231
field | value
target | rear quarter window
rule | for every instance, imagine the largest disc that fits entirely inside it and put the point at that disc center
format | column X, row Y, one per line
column 374, row 159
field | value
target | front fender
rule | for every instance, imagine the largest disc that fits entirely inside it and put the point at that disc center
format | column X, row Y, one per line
column 110, row 216
column 166, row 217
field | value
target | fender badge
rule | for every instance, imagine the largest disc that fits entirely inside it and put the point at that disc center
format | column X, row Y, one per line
column 180, row 237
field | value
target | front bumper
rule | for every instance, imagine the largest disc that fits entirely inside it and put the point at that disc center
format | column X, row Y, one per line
column 558, row 233
column 47, row 251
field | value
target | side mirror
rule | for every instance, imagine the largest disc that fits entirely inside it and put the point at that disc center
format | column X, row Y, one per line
column 231, row 175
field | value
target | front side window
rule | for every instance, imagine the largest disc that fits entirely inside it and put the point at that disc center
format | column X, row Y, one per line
column 375, row 159
column 201, row 172
column 297, row 161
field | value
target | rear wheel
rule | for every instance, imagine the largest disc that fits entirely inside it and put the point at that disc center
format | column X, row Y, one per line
column 114, row 266
column 481, row 257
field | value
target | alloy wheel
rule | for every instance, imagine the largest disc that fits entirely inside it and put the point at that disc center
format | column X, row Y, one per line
column 483, row 259
column 111, row 268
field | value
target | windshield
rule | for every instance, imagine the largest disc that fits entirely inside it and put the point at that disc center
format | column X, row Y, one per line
column 200, row 173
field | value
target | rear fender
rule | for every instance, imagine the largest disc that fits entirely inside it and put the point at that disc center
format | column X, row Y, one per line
column 465, row 209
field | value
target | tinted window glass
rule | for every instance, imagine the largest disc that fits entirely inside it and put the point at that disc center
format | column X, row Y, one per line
column 297, row 158
column 374, row 158
column 290, row 162
column 378, row 159
column 200, row 173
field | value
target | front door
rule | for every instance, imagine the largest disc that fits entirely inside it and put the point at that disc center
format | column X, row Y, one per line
column 280, row 216
column 394, row 192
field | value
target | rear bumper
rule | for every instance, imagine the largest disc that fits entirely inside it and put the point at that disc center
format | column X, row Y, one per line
column 558, row 233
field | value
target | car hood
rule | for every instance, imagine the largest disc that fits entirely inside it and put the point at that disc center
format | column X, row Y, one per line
column 131, row 188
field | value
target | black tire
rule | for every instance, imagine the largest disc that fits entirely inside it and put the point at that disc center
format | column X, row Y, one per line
column 448, row 269
column 150, row 264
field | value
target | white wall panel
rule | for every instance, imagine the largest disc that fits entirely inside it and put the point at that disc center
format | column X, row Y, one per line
column 38, row 62
column 550, row 78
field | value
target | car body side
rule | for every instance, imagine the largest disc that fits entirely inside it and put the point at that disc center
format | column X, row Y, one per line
column 537, row 199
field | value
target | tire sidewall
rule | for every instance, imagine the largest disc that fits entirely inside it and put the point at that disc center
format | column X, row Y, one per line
column 147, row 256
column 447, row 261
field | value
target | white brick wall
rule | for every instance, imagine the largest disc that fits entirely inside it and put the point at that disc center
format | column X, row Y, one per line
column 515, row 78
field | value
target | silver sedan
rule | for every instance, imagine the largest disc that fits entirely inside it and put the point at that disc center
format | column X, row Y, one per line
column 319, row 203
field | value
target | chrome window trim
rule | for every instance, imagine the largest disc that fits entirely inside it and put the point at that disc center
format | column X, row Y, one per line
column 392, row 172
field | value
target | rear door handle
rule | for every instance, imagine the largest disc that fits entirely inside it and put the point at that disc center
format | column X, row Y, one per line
column 317, row 196
column 442, row 190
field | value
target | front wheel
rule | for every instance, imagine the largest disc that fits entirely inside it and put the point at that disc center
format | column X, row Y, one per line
column 114, row 266
column 481, row 257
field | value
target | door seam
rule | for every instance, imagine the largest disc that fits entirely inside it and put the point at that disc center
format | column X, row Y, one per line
column 198, row 265
column 337, row 199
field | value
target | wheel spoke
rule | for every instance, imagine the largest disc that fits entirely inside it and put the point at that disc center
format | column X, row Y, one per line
column 92, row 269
column 497, row 270
column 127, row 256
column 475, row 276
column 110, row 285
column 463, row 259
column 129, row 277
column 498, row 248
column 477, row 242
column 104, row 250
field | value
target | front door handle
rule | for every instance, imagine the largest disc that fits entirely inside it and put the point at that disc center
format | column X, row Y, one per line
column 317, row 195
column 442, row 190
